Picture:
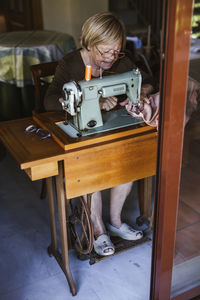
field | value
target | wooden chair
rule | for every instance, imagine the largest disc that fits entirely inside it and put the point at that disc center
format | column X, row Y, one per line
column 39, row 73
column 3, row 25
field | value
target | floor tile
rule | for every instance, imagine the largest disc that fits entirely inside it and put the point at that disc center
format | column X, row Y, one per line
column 188, row 241
column 178, row 259
column 185, row 276
column 186, row 215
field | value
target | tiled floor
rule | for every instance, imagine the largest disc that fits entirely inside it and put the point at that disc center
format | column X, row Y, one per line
column 28, row 273
column 188, row 223
column 186, row 271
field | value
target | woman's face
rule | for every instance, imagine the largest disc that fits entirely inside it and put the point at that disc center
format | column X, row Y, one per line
column 104, row 55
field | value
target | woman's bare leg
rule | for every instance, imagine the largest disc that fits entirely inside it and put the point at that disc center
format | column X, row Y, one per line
column 96, row 214
column 106, row 247
column 118, row 195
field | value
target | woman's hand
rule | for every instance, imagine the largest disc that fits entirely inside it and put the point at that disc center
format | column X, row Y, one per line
column 108, row 103
column 148, row 109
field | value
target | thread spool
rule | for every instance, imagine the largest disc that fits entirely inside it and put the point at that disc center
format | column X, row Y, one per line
column 88, row 70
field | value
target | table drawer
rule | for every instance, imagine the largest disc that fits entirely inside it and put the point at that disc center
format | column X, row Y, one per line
column 43, row 171
column 107, row 165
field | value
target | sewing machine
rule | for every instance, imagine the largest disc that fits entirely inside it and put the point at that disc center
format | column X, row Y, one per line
column 81, row 101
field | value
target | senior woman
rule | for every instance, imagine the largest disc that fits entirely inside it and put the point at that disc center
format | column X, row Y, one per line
column 102, row 40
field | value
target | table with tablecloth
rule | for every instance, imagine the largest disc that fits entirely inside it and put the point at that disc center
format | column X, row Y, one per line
column 19, row 50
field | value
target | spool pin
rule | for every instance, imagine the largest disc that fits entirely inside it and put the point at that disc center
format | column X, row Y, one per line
column 88, row 70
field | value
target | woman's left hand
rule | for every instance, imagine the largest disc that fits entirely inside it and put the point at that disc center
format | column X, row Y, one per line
column 108, row 103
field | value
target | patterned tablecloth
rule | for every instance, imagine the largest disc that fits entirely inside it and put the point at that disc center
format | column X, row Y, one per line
column 19, row 50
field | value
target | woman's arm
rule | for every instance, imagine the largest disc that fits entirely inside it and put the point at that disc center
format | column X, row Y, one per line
column 70, row 68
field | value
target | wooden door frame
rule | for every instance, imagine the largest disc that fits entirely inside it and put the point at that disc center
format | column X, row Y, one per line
column 174, row 76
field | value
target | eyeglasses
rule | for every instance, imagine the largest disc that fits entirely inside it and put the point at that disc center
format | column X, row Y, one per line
column 42, row 133
column 110, row 52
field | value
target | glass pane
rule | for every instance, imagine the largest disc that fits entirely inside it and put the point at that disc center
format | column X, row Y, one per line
column 186, row 269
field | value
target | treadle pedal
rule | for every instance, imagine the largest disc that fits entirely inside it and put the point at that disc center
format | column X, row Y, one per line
column 120, row 246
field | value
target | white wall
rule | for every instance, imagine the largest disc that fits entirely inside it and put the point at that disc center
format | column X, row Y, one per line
column 69, row 15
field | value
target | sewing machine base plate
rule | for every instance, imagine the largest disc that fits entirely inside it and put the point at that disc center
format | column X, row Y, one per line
column 111, row 120
column 120, row 246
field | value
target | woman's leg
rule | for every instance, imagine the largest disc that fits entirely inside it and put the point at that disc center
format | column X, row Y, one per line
column 118, row 195
column 102, row 243
column 117, row 228
column 96, row 214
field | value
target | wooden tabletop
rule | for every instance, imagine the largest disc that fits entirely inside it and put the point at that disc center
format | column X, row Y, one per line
column 27, row 148
column 39, row 158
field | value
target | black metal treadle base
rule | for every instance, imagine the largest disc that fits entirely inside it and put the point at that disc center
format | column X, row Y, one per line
column 120, row 246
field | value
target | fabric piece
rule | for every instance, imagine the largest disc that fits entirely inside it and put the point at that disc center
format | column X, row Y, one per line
column 149, row 106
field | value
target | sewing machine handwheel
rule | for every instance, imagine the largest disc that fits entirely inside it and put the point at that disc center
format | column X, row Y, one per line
column 81, row 226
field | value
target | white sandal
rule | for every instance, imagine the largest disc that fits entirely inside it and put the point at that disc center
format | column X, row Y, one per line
column 125, row 232
column 103, row 245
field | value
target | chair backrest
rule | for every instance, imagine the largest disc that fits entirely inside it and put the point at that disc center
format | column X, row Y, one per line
column 39, row 72
column 3, row 27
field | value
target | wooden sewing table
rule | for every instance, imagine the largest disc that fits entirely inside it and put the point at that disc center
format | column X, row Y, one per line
column 90, row 164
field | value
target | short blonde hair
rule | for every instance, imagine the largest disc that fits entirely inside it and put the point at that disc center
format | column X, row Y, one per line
column 103, row 28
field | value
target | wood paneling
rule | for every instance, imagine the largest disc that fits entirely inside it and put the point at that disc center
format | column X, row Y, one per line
column 22, row 14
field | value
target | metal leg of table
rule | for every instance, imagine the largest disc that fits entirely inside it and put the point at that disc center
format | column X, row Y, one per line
column 54, row 244
column 63, row 260
column 145, row 196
